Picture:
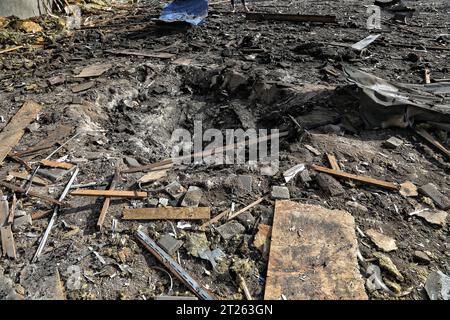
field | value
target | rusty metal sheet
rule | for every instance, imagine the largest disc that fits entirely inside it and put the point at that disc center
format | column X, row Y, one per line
column 313, row 254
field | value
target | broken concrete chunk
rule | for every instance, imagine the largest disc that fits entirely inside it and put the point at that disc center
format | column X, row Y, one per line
column 132, row 162
column 230, row 229
column 421, row 257
column 192, row 197
column 280, row 193
column 22, row 222
column 393, row 143
column 431, row 191
column 245, row 183
column 436, row 217
column 170, row 244
column 438, row 286
column 175, row 189
column 247, row 219
column 386, row 263
column 329, row 184
column 304, row 175
column 382, row 241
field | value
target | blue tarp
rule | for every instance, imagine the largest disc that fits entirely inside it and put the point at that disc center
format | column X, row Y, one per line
column 191, row 11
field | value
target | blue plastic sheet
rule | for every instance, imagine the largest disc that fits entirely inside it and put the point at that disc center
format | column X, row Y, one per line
column 191, row 11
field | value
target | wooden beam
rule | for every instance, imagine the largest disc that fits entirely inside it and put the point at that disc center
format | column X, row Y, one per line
column 289, row 17
column 363, row 179
column 15, row 129
column 109, row 193
column 333, row 162
column 107, row 201
column 251, row 205
column 12, row 210
column 428, row 137
column 32, row 193
column 7, row 238
column 56, row 164
column 172, row 213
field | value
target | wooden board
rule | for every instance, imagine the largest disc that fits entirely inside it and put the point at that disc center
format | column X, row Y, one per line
column 109, row 193
column 333, row 162
column 25, row 176
column 107, row 201
column 7, row 238
column 184, row 213
column 313, row 254
column 363, row 179
column 15, row 129
column 56, row 164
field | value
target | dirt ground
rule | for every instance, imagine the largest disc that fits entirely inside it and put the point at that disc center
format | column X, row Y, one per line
column 229, row 73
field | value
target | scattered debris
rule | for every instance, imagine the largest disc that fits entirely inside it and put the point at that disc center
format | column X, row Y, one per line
column 387, row 264
column 436, row 217
column 280, row 192
column 230, row 229
column 186, row 213
column 408, row 189
column 192, row 197
column 292, row 172
column 431, row 191
column 393, row 143
column 382, row 241
column 170, row 244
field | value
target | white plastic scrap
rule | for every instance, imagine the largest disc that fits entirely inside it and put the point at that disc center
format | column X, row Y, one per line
column 292, row 172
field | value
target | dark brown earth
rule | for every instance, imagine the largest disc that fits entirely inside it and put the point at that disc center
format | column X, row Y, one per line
column 135, row 106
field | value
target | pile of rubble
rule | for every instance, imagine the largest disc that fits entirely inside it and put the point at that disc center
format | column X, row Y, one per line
column 94, row 206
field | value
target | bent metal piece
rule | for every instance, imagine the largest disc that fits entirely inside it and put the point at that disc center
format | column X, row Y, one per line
column 174, row 267
column 54, row 216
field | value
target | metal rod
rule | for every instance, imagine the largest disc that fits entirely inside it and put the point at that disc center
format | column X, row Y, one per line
column 173, row 266
column 54, row 216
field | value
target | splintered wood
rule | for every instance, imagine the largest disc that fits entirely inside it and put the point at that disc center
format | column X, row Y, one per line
column 173, row 213
column 107, row 201
column 109, row 193
column 319, row 245
column 56, row 164
column 15, row 129
column 7, row 238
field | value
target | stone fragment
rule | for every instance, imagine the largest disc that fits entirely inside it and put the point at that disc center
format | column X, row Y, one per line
column 393, row 143
column 170, row 244
column 196, row 243
column 247, row 219
column 421, row 257
column 280, row 192
column 22, row 222
column 357, row 206
column 132, row 162
column 408, row 189
column 382, row 241
column 175, row 189
column 435, row 217
column 192, row 197
column 230, row 229
column 437, row 286
column 431, row 191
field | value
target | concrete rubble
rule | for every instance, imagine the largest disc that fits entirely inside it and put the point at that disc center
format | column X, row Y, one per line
column 294, row 151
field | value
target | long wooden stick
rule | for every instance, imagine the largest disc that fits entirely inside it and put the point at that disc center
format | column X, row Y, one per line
column 32, row 193
column 109, row 193
column 251, row 205
column 107, row 202
column 367, row 180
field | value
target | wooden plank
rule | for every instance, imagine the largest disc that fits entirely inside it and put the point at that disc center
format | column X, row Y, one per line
column 363, row 179
column 32, row 193
column 12, row 210
column 25, row 176
column 8, row 244
column 313, row 254
column 56, row 164
column 290, row 17
column 107, row 201
column 428, row 137
column 172, row 213
column 109, row 193
column 15, row 129
column 333, row 162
